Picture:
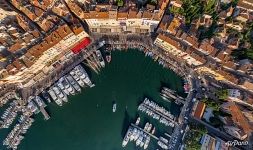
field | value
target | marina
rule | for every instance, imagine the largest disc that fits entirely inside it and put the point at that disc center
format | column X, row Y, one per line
column 100, row 106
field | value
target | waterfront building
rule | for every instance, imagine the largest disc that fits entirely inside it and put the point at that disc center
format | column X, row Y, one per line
column 128, row 19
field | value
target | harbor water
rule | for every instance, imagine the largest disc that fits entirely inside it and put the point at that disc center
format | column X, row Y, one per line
column 87, row 122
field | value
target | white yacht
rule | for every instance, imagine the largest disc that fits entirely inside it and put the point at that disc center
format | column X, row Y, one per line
column 73, row 83
column 39, row 101
column 68, row 86
column 100, row 58
column 60, row 94
column 127, row 136
column 62, row 87
column 77, row 78
column 146, row 143
column 54, row 97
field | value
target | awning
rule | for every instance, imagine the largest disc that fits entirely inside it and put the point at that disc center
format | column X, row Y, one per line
column 84, row 43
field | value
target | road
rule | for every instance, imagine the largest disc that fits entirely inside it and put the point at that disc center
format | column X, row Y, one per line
column 179, row 131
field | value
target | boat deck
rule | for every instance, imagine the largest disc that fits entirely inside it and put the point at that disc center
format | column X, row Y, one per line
column 139, row 128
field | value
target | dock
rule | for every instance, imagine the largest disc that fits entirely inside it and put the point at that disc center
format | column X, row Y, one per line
column 167, row 135
column 139, row 128
column 45, row 114
column 159, row 113
column 170, row 94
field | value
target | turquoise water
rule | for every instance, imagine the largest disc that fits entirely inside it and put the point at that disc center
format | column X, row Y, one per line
column 87, row 122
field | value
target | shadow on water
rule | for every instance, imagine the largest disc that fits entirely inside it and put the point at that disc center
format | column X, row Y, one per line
column 163, row 84
column 126, row 122
column 87, row 69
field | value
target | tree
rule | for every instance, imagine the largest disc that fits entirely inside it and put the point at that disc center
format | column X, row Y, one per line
column 221, row 113
column 215, row 121
column 209, row 8
column 222, row 94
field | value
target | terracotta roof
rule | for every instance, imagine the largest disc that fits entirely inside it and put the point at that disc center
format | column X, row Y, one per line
column 247, row 4
column 206, row 46
column 169, row 40
column 15, row 47
column 248, row 85
column 147, row 14
column 18, row 64
column 200, row 109
column 192, row 40
column 28, row 63
column 63, row 30
column 239, row 119
column 35, row 33
column 122, row 15
column 132, row 14
column 229, row 64
column 112, row 14
column 86, row 15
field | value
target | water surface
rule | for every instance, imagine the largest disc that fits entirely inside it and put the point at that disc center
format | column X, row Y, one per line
column 87, row 121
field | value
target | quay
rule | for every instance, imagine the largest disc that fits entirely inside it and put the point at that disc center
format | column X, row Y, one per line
column 153, row 136
column 161, row 114
column 44, row 112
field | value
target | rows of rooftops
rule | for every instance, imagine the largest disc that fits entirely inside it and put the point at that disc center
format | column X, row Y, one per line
column 129, row 9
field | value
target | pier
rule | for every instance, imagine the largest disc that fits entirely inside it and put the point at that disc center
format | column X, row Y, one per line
column 170, row 94
column 161, row 114
column 139, row 128
column 167, row 135
column 45, row 114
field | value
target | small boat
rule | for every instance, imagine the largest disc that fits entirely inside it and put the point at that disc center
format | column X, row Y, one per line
column 100, row 58
column 153, row 131
column 46, row 96
column 127, row 136
column 138, row 121
column 146, row 142
column 108, row 56
column 114, row 107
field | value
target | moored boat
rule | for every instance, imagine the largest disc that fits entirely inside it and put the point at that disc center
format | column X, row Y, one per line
column 146, row 142
column 73, row 73
column 127, row 136
column 46, row 96
column 108, row 56
column 61, row 86
column 68, row 86
column 39, row 101
column 138, row 121
column 73, row 83
column 54, row 97
column 100, row 58
column 114, row 107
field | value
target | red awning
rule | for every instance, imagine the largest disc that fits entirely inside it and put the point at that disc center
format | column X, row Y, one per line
column 84, row 43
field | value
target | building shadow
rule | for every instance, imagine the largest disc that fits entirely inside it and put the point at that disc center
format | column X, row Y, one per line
column 126, row 124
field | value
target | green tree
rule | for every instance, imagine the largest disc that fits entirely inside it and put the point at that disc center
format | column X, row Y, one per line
column 222, row 94
column 215, row 121
column 209, row 8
